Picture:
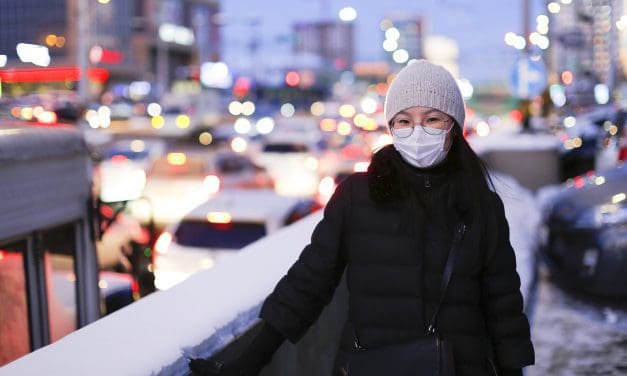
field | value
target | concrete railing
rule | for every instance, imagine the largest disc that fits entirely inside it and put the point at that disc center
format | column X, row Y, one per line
column 212, row 309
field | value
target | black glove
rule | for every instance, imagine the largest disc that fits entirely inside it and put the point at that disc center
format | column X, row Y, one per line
column 256, row 355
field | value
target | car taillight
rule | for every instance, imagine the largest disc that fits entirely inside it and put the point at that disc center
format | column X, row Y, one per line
column 361, row 166
column 163, row 243
column 211, row 183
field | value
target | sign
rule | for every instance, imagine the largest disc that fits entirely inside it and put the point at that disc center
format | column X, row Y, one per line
column 528, row 77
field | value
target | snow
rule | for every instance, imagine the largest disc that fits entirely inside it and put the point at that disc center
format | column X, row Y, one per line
column 156, row 334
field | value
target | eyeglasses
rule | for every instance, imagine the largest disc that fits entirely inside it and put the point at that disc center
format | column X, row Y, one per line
column 433, row 125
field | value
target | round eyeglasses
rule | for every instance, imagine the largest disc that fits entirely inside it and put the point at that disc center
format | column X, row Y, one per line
column 433, row 125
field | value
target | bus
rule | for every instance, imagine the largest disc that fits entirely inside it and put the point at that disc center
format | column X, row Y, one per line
column 50, row 282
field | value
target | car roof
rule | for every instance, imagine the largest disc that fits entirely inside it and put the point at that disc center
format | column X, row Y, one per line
column 246, row 205
column 27, row 142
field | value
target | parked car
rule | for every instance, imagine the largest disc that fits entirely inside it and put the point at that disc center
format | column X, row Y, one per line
column 219, row 227
column 586, row 232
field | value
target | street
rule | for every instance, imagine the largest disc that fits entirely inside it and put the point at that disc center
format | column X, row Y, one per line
column 575, row 335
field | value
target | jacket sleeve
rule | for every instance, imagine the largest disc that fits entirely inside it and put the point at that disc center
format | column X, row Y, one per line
column 309, row 284
column 503, row 302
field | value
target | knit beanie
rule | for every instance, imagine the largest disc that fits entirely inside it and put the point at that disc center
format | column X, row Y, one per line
column 425, row 84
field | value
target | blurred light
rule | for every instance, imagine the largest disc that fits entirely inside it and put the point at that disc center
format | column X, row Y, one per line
column 466, row 88
column 599, row 180
column 543, row 42
column 369, row 105
column 392, row 34
column 566, row 2
column 154, row 109
column 543, row 28
column 205, row 138
column 241, row 86
column 219, row 217
column 95, row 54
column 534, row 37
column 390, row 45
column 344, row 128
column 400, row 56
column 103, row 1
column 33, row 53
column 47, row 117
column 292, row 78
column 328, row 125
column 381, row 141
column 360, row 120
column 542, row 19
column 317, row 108
column 570, row 121
column 311, row 163
column 347, row 14
column 553, row 7
column 157, row 122
column 37, row 111
column 103, row 284
column 51, row 40
column 176, row 34
column 248, row 108
column 138, row 146
column 347, row 110
column 176, row 159
column 265, row 125
column 215, row 75
column 567, row 77
column 3, row 60
column 163, row 243
column 618, row 198
column 242, row 126
column 139, row 89
column 607, row 125
column 239, row 145
column 211, row 184
column 516, row 115
column 519, row 42
column 60, row 42
column 235, row 108
column 361, row 166
column 326, row 187
column 483, row 129
column 620, row 24
column 601, row 93
column 15, row 111
column 510, row 38
column 613, row 130
column 557, row 95
column 183, row 121
column 385, row 24
column 577, row 142
column 371, row 125
column 288, row 110
column 104, row 111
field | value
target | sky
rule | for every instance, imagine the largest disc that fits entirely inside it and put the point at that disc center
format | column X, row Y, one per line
column 478, row 26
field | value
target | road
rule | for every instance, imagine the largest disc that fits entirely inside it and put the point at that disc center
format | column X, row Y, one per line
column 577, row 335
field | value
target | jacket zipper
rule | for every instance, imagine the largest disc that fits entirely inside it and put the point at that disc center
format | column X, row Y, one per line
column 427, row 182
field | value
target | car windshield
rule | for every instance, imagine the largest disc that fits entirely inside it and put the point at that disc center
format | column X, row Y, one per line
column 189, row 168
column 285, row 148
column 204, row 234
column 129, row 154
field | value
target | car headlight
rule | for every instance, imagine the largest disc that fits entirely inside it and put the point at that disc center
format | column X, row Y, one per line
column 602, row 215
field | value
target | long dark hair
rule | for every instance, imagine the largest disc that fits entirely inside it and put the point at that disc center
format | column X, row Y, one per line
column 468, row 178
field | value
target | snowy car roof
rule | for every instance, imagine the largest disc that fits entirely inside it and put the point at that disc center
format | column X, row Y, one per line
column 27, row 142
column 247, row 205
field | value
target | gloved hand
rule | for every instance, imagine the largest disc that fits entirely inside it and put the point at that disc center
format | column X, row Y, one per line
column 255, row 356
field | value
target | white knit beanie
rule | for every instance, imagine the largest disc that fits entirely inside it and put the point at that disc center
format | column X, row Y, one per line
column 425, row 84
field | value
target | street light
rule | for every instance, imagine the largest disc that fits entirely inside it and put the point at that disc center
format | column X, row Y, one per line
column 347, row 14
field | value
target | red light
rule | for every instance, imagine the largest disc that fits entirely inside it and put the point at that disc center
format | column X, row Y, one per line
column 579, row 182
column 241, row 87
column 119, row 159
column 292, row 78
column 51, row 74
column 516, row 115
column 135, row 286
column 567, row 77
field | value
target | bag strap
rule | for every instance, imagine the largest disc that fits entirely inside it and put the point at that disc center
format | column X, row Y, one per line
column 448, row 272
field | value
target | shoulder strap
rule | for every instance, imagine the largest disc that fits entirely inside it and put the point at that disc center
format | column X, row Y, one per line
column 448, row 271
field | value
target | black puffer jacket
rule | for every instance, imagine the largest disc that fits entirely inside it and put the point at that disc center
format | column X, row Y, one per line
column 394, row 263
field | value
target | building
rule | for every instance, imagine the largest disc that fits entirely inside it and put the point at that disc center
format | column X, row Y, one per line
column 333, row 41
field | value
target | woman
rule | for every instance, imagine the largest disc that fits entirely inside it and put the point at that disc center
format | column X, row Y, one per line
column 392, row 230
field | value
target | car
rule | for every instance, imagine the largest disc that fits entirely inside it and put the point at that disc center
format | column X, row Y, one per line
column 585, row 231
column 121, row 174
column 293, row 165
column 179, row 181
column 219, row 227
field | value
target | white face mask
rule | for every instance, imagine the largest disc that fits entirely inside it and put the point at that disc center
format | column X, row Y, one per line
column 421, row 149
